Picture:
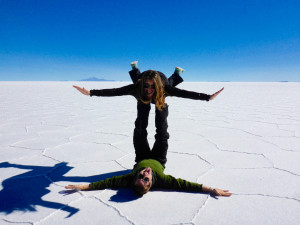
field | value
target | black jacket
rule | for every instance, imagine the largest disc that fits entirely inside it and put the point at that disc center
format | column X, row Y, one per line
column 132, row 89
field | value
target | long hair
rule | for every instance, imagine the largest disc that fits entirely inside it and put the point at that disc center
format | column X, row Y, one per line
column 159, row 95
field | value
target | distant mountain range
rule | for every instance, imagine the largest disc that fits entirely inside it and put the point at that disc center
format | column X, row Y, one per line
column 94, row 79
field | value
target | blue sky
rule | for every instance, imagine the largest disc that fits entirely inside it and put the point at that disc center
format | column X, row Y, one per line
column 212, row 40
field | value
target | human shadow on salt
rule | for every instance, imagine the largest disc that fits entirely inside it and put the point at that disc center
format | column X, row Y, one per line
column 25, row 191
column 124, row 195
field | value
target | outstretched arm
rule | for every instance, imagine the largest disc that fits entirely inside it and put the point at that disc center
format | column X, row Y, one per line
column 114, row 182
column 125, row 90
column 173, row 91
column 170, row 182
column 82, row 90
column 215, row 94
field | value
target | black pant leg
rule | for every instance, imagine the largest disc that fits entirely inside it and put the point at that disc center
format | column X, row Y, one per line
column 140, row 141
column 160, row 147
column 175, row 79
column 135, row 75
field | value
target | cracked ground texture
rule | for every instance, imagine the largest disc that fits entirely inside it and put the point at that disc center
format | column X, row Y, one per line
column 247, row 141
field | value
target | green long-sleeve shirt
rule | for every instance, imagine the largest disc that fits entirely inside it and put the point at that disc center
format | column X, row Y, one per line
column 161, row 180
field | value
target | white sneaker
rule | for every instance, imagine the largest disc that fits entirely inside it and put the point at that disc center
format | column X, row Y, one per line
column 134, row 64
column 179, row 70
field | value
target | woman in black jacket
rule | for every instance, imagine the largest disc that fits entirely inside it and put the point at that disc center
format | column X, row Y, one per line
column 150, row 87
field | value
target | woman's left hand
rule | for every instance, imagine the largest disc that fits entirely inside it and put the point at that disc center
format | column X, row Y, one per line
column 215, row 94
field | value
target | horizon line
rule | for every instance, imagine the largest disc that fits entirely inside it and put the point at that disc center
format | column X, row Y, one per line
column 130, row 81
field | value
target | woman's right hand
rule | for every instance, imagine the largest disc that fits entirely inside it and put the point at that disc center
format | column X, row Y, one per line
column 82, row 90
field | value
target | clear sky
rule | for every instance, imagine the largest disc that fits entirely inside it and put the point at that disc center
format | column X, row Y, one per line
column 215, row 40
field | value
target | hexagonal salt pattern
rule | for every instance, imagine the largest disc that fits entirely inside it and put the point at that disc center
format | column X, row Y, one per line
column 246, row 140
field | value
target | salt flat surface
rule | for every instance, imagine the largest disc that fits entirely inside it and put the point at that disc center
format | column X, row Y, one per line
column 247, row 140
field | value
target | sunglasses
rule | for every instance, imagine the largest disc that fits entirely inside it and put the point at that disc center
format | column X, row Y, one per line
column 141, row 177
column 146, row 85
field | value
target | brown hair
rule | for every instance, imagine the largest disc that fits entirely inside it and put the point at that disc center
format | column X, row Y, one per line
column 159, row 88
column 140, row 190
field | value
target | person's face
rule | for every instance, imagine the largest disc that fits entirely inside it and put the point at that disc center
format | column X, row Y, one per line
column 149, row 88
column 144, row 178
